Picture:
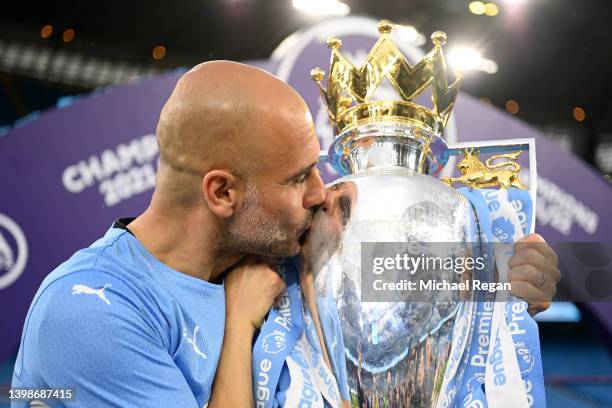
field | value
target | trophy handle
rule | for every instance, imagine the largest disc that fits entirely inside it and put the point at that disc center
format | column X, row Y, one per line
column 475, row 172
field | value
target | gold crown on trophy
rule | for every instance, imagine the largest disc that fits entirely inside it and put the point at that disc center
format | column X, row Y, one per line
column 347, row 84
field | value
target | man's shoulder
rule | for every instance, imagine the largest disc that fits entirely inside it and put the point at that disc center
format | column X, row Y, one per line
column 70, row 293
column 93, row 263
column 88, row 274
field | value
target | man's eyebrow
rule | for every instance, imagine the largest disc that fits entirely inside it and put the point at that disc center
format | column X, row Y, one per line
column 305, row 170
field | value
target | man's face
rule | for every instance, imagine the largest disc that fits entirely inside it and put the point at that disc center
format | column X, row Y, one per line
column 280, row 200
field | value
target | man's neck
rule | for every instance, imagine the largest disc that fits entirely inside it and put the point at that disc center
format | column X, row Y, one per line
column 185, row 243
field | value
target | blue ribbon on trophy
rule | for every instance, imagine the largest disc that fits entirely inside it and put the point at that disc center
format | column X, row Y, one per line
column 288, row 366
column 312, row 383
column 503, row 365
column 277, row 338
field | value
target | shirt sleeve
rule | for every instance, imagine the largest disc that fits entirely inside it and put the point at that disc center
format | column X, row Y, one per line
column 88, row 331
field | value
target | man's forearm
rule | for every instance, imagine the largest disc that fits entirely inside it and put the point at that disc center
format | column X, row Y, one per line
column 233, row 384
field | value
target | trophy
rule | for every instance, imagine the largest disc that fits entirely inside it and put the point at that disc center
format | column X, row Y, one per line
column 394, row 352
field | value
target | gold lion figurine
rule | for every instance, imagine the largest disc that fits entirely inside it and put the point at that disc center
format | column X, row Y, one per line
column 476, row 174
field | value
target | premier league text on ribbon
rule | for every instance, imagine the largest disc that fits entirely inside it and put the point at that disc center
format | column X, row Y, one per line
column 418, row 272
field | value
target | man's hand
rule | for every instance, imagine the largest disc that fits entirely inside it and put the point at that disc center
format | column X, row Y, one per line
column 533, row 272
column 250, row 290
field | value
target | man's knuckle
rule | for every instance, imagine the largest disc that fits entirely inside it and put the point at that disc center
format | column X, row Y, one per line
column 526, row 271
column 549, row 290
column 557, row 275
column 518, row 287
column 551, row 255
column 272, row 280
column 555, row 258
column 531, row 255
column 517, row 274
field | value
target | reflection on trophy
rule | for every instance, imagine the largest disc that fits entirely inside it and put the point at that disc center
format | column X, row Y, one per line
column 383, row 353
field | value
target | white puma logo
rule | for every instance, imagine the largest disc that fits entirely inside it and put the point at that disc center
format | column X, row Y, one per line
column 196, row 349
column 78, row 288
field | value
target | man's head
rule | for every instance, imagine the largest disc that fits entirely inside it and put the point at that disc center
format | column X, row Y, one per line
column 238, row 145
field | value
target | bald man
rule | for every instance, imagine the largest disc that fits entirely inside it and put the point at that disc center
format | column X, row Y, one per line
column 161, row 311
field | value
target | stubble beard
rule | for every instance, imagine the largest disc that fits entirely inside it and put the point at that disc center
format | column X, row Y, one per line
column 253, row 231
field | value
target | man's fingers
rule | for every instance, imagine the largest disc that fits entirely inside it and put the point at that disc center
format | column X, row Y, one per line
column 537, row 307
column 535, row 241
column 528, row 292
column 539, row 279
column 530, row 256
column 527, row 273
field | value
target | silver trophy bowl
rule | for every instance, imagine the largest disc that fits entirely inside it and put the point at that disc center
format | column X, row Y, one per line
column 385, row 353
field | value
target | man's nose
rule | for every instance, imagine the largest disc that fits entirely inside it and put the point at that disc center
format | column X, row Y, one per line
column 315, row 195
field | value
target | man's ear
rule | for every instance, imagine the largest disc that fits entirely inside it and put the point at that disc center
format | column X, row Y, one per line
column 221, row 190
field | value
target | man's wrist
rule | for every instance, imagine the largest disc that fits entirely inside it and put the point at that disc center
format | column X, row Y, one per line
column 240, row 326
